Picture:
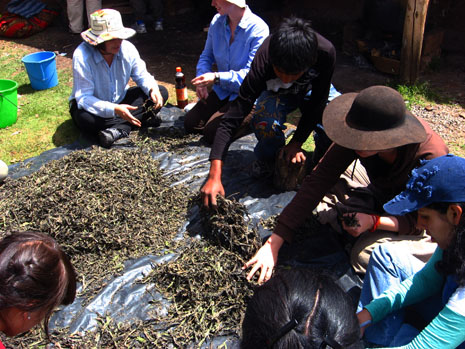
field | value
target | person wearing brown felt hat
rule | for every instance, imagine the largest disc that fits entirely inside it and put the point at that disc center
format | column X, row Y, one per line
column 376, row 144
column 373, row 120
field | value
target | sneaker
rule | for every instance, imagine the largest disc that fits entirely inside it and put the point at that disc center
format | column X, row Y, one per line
column 158, row 26
column 189, row 106
column 140, row 28
column 110, row 135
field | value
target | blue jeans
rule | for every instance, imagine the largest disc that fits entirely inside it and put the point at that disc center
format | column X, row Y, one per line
column 268, row 121
column 390, row 265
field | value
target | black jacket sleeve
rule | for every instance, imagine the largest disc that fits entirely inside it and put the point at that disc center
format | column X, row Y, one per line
column 252, row 86
column 312, row 108
column 317, row 79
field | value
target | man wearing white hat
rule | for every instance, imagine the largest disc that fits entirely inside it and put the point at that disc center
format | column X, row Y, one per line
column 101, row 102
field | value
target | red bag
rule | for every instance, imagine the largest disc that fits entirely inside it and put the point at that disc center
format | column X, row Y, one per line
column 15, row 26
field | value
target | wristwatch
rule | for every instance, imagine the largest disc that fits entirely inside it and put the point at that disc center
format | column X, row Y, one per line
column 217, row 78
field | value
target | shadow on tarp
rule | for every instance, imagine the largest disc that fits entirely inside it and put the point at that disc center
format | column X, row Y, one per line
column 123, row 299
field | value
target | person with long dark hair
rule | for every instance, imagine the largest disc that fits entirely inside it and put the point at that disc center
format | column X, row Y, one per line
column 36, row 276
column 403, row 303
column 300, row 308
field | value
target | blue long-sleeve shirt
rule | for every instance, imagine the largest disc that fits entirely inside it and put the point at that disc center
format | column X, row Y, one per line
column 232, row 60
column 98, row 87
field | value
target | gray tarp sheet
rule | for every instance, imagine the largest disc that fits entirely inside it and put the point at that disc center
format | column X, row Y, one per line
column 123, row 299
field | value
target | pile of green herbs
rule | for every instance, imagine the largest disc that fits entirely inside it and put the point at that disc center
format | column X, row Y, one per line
column 107, row 206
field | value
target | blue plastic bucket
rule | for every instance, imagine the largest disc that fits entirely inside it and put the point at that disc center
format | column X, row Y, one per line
column 8, row 102
column 41, row 69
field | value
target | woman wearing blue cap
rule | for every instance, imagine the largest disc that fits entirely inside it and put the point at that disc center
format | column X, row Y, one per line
column 403, row 303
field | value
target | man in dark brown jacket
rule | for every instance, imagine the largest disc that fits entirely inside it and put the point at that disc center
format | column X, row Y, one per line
column 291, row 69
column 372, row 128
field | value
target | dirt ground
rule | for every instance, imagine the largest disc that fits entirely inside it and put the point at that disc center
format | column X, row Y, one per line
column 182, row 41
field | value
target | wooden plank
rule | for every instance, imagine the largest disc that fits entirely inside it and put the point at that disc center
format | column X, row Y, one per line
column 406, row 51
column 412, row 40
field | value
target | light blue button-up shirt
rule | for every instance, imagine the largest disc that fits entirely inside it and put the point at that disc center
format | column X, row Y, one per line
column 233, row 61
column 98, row 87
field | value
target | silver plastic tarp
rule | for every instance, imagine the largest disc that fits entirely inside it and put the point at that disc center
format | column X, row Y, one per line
column 122, row 298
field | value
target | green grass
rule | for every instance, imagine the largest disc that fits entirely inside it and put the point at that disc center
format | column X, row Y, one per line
column 44, row 121
column 43, row 118
column 419, row 94
column 292, row 120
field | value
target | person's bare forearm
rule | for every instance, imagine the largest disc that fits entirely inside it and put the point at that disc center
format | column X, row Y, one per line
column 213, row 185
column 215, row 170
column 388, row 223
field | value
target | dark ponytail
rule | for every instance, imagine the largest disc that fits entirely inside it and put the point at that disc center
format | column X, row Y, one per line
column 35, row 274
column 453, row 258
column 300, row 308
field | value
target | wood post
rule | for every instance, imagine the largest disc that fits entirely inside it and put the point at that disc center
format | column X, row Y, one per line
column 412, row 41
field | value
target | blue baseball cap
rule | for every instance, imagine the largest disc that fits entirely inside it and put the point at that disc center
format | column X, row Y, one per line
column 438, row 180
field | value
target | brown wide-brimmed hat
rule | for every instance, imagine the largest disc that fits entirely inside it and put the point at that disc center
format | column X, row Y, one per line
column 374, row 119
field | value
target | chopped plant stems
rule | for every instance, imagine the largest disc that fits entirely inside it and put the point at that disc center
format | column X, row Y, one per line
column 206, row 284
column 107, row 206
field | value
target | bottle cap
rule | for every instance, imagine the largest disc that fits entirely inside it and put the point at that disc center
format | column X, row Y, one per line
column 178, row 69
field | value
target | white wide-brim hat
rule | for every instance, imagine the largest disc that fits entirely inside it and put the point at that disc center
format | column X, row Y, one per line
column 240, row 3
column 105, row 25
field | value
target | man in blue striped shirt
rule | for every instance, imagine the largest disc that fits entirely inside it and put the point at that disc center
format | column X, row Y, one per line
column 101, row 102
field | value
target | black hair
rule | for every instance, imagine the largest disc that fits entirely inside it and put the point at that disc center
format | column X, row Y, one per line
column 293, row 47
column 35, row 274
column 453, row 258
column 300, row 308
column 441, row 207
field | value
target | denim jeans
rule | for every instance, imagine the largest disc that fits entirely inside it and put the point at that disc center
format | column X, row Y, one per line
column 390, row 265
column 268, row 121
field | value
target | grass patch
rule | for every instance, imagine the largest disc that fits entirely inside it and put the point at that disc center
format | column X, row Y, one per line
column 292, row 121
column 457, row 148
column 43, row 118
column 419, row 94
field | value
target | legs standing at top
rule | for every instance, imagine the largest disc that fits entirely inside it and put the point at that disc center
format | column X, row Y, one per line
column 75, row 10
column 141, row 14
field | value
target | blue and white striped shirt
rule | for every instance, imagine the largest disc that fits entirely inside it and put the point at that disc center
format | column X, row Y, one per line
column 25, row 8
column 98, row 87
